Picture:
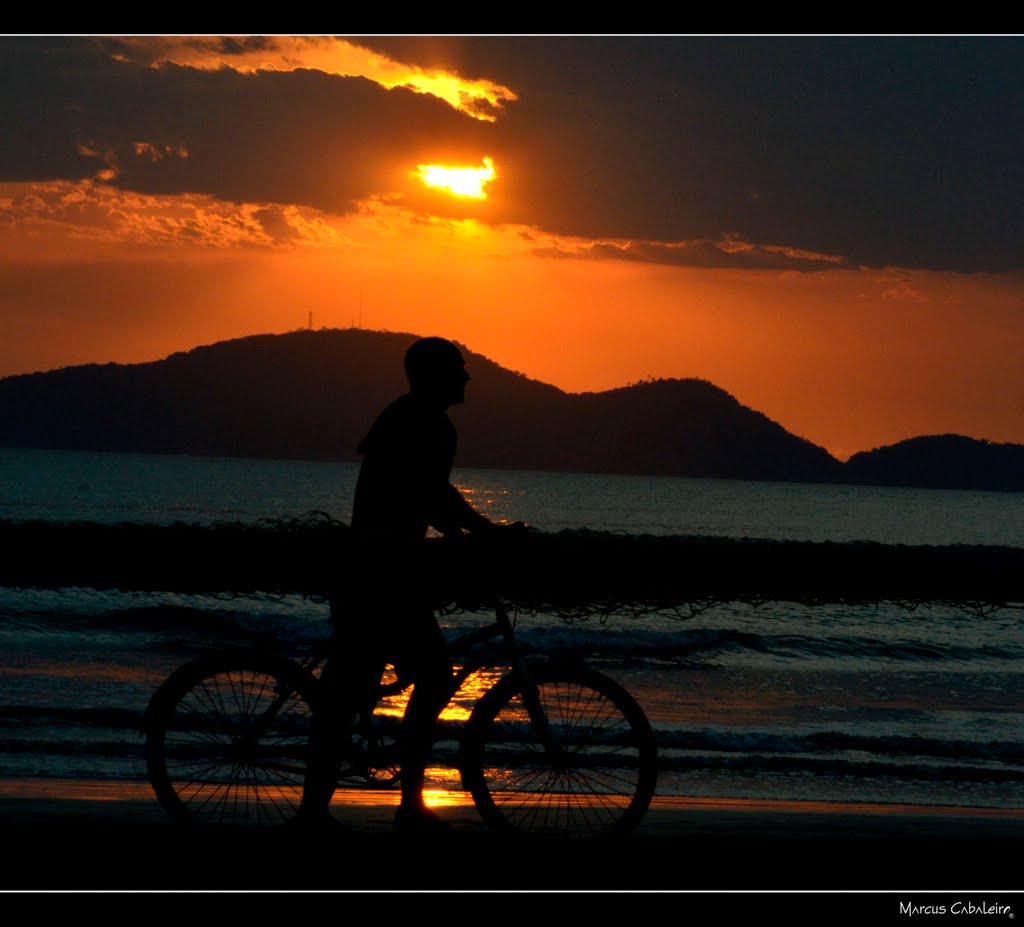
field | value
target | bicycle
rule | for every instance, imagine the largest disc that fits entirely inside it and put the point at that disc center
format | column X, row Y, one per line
column 552, row 748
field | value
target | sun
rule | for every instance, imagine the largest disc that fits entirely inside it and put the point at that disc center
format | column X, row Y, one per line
column 459, row 181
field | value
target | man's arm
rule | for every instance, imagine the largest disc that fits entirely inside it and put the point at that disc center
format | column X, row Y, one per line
column 455, row 515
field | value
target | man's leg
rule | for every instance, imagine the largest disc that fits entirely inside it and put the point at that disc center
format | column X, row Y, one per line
column 324, row 750
column 347, row 682
column 425, row 658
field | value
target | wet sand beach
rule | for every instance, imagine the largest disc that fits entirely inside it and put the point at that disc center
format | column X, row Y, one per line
column 64, row 836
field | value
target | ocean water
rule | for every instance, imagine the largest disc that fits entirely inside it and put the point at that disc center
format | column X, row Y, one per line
column 781, row 701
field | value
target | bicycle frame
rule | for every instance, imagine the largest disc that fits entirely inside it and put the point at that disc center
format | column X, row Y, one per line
column 474, row 655
column 508, row 652
column 228, row 738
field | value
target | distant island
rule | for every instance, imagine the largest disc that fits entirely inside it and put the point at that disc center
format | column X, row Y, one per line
column 311, row 395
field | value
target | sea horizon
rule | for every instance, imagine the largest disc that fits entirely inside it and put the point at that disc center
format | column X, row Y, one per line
column 778, row 701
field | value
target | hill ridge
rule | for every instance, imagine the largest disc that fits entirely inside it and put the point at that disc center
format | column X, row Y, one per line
column 311, row 394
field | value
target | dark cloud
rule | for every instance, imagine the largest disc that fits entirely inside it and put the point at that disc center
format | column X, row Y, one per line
column 68, row 110
column 228, row 45
column 886, row 151
column 274, row 224
column 43, row 119
column 903, row 151
column 724, row 254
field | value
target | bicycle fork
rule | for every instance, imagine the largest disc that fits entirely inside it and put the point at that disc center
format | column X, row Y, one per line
column 553, row 747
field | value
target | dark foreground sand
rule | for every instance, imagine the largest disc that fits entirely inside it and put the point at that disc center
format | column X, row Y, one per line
column 71, row 837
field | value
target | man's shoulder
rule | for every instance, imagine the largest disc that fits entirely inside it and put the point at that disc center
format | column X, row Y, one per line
column 412, row 408
column 406, row 418
column 403, row 411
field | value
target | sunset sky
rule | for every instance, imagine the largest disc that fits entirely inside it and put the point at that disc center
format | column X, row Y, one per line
column 830, row 229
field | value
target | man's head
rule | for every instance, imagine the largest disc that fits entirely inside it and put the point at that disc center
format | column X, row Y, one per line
column 436, row 371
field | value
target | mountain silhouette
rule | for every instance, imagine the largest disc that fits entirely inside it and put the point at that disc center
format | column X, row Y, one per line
column 941, row 462
column 312, row 395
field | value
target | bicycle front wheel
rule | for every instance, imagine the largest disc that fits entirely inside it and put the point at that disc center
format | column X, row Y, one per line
column 227, row 740
column 587, row 769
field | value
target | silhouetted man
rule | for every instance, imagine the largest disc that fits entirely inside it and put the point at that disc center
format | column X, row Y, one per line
column 387, row 615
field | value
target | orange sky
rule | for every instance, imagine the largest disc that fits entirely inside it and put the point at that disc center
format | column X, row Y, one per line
column 128, row 261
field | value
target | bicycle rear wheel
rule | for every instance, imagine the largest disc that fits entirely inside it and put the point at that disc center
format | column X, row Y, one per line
column 594, row 776
column 227, row 740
